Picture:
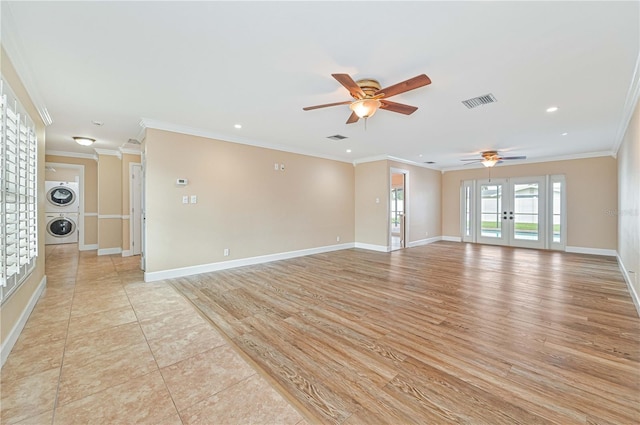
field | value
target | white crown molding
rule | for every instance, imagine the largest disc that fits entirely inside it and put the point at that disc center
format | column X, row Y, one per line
column 395, row 159
column 110, row 152
column 633, row 95
column 13, row 47
column 142, row 133
column 177, row 128
column 130, row 151
column 71, row 154
column 535, row 160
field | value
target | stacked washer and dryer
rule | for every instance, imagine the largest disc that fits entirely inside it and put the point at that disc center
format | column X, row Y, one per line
column 61, row 212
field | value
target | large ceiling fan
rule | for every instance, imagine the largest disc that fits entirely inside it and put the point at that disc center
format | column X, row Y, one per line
column 491, row 158
column 369, row 97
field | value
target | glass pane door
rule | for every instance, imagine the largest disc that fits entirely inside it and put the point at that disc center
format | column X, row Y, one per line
column 526, row 212
column 491, row 196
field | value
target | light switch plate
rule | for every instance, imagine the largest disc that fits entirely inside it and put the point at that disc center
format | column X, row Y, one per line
column 194, row 199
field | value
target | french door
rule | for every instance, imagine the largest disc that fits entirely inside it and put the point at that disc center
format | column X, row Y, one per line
column 511, row 212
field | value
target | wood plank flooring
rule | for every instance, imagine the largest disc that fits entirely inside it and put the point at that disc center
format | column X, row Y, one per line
column 443, row 333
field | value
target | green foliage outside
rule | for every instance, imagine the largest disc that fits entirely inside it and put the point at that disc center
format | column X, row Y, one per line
column 519, row 226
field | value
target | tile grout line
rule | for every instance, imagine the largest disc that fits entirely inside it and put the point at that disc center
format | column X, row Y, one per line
column 66, row 338
column 135, row 313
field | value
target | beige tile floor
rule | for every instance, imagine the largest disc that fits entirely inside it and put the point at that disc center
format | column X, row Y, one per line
column 102, row 346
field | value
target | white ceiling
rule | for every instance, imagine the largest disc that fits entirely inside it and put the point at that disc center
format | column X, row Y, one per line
column 205, row 66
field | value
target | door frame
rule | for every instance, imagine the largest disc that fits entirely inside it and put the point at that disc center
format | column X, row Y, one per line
column 81, row 213
column 469, row 191
column 132, row 247
column 392, row 171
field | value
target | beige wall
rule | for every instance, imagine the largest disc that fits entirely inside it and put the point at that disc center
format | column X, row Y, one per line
column 109, row 202
column 15, row 306
column 243, row 203
column 62, row 174
column 372, row 217
column 629, row 201
column 90, row 193
column 374, row 181
column 591, row 197
column 424, row 202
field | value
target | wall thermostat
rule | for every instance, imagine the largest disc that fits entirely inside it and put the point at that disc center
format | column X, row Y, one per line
column 182, row 182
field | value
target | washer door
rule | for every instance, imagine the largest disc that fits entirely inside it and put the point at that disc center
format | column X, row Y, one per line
column 61, row 196
column 61, row 227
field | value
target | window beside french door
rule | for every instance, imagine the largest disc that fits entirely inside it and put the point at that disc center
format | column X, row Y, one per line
column 525, row 211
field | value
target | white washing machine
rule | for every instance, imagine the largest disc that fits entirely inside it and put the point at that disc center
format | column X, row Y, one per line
column 61, row 228
column 62, row 196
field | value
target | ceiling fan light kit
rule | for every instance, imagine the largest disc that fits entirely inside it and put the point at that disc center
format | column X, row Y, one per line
column 365, row 108
column 491, row 158
column 369, row 97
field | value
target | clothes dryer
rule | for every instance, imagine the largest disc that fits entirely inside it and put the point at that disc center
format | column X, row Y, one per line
column 62, row 197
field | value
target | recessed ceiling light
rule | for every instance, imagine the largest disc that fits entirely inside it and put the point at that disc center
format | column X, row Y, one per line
column 348, row 150
column 564, row 134
column 420, row 156
column 238, row 126
column 98, row 123
column 552, row 109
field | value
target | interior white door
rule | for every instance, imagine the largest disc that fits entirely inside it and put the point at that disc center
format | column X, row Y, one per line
column 136, row 209
column 397, row 208
column 511, row 212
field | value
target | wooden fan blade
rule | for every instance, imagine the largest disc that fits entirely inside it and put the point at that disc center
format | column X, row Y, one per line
column 410, row 84
column 513, row 157
column 397, row 107
column 349, row 84
column 309, row 108
column 353, row 118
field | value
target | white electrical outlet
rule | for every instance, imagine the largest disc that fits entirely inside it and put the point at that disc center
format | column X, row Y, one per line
column 426, row 233
column 338, row 239
column 226, row 252
column 281, row 167
column 377, row 200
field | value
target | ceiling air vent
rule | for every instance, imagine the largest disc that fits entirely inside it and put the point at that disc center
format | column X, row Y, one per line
column 337, row 137
column 480, row 100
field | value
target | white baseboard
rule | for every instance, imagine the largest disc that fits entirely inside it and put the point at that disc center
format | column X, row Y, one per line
column 452, row 238
column 91, row 247
column 126, row 253
column 424, row 241
column 591, row 251
column 109, row 251
column 629, row 281
column 223, row 265
column 13, row 335
column 370, row 247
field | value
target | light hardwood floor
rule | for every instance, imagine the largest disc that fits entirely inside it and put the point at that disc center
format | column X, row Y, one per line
column 444, row 333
